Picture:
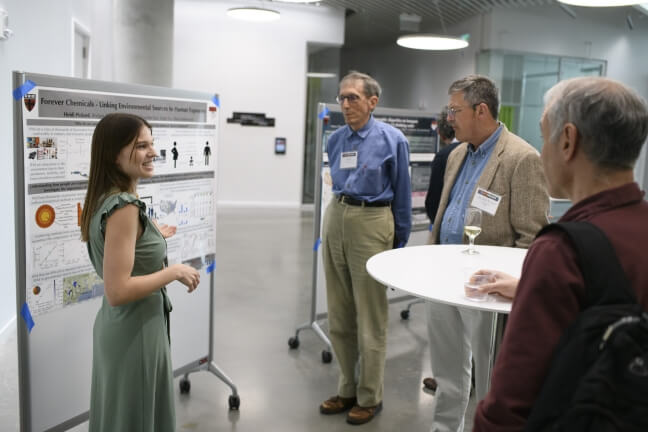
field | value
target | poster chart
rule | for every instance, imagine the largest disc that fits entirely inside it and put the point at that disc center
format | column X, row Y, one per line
column 420, row 130
column 58, row 291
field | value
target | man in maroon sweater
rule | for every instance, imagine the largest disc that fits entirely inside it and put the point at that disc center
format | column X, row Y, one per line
column 593, row 130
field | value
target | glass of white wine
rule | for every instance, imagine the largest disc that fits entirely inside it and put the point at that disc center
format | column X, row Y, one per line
column 472, row 228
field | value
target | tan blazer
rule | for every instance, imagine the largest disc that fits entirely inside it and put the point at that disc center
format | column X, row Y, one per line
column 513, row 171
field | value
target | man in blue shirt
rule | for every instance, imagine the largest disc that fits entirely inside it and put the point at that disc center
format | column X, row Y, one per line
column 370, row 213
column 501, row 174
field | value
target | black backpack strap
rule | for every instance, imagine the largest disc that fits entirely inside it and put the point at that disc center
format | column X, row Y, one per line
column 605, row 279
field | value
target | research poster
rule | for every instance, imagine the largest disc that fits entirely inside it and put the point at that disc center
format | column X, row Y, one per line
column 57, row 130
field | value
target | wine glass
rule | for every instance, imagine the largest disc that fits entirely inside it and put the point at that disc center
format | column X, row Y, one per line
column 472, row 228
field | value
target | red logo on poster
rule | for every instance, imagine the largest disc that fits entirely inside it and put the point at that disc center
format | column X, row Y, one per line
column 30, row 101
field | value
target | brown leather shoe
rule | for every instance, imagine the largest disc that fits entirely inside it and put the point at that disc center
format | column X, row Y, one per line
column 361, row 415
column 337, row 405
column 430, row 384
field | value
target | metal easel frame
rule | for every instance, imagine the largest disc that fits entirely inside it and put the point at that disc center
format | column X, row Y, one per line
column 312, row 323
column 24, row 377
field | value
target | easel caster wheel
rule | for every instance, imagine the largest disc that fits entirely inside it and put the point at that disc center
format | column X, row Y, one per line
column 185, row 386
column 293, row 343
column 405, row 314
column 326, row 356
column 234, row 403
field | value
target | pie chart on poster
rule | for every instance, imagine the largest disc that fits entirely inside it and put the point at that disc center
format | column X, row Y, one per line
column 45, row 216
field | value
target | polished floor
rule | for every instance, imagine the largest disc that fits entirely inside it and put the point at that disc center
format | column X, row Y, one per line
column 262, row 294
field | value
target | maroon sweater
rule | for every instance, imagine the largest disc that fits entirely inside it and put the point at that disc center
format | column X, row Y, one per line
column 549, row 297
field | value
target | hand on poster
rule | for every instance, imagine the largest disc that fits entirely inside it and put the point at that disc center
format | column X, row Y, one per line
column 166, row 230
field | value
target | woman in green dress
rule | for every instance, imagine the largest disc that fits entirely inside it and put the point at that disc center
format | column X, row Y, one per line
column 132, row 378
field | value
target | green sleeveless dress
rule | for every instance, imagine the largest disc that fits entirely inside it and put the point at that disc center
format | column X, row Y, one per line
column 132, row 378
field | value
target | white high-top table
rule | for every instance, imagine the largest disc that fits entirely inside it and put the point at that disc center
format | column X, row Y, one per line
column 436, row 273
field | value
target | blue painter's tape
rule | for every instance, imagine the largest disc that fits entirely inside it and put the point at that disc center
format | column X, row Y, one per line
column 430, row 227
column 211, row 267
column 317, row 244
column 26, row 314
column 324, row 113
column 23, row 89
column 216, row 101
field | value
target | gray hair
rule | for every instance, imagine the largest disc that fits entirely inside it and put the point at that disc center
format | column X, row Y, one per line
column 611, row 118
column 477, row 89
column 370, row 85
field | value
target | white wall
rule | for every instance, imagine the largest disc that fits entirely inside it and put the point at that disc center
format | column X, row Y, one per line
column 416, row 79
column 258, row 68
column 42, row 43
column 599, row 34
column 595, row 34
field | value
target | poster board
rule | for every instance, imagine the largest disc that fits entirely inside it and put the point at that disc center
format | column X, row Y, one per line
column 419, row 128
column 57, row 291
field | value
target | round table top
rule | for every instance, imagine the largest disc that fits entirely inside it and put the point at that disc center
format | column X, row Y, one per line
column 436, row 272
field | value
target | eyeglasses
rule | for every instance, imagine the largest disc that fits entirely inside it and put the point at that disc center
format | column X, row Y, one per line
column 352, row 98
column 454, row 111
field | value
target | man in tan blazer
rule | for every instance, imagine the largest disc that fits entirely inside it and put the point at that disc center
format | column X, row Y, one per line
column 501, row 174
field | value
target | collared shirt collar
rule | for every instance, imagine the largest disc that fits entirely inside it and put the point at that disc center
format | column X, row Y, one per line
column 487, row 145
column 363, row 131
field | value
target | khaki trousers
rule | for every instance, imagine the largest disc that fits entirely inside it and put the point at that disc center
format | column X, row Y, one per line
column 357, row 304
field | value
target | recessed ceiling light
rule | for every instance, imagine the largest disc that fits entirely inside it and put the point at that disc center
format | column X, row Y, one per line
column 431, row 42
column 298, row 1
column 253, row 14
column 601, row 3
column 320, row 75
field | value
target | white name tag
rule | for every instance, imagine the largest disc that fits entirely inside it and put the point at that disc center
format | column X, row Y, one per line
column 349, row 160
column 486, row 201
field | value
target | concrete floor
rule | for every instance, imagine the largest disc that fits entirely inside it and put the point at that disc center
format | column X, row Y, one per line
column 262, row 294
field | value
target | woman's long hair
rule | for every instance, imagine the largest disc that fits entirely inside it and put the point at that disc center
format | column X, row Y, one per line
column 113, row 133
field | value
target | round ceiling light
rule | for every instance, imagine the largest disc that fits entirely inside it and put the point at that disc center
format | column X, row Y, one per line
column 298, row 1
column 253, row 14
column 431, row 42
column 601, row 3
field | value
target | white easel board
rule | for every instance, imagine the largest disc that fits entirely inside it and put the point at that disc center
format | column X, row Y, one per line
column 57, row 288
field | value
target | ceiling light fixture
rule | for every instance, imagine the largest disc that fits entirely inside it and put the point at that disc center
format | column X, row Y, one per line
column 601, row 3
column 320, row 75
column 431, row 42
column 253, row 14
column 298, row 1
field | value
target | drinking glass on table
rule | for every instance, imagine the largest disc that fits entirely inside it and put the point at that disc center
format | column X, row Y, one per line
column 472, row 228
column 472, row 281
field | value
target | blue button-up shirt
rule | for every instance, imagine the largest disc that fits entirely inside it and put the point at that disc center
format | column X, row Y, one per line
column 453, row 219
column 382, row 172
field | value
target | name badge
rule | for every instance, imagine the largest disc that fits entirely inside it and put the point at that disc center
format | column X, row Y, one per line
column 486, row 201
column 349, row 160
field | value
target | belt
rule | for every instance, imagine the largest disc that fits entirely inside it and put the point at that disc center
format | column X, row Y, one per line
column 346, row 199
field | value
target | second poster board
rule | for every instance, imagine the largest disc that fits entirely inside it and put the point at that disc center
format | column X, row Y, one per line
column 419, row 128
